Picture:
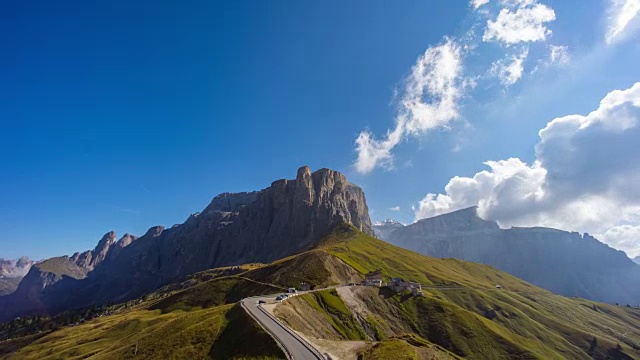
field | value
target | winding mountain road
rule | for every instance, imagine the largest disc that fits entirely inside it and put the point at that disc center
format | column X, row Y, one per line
column 294, row 346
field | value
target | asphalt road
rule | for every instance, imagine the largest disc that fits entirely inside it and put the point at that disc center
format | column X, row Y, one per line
column 294, row 345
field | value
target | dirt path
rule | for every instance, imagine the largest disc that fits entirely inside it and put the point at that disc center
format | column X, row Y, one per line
column 337, row 350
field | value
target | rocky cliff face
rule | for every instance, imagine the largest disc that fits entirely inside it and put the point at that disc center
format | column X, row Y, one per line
column 11, row 272
column 384, row 228
column 285, row 218
column 563, row 262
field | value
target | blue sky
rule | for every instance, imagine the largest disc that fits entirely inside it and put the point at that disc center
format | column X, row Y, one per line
column 124, row 115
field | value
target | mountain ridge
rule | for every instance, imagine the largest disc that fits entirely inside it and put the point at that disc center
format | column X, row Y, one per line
column 282, row 219
column 567, row 263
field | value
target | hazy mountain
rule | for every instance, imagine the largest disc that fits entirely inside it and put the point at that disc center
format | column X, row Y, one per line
column 564, row 262
column 11, row 272
column 382, row 229
column 636, row 259
column 261, row 226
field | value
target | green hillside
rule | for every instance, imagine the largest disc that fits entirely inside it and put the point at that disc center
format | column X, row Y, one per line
column 149, row 334
column 469, row 316
column 462, row 315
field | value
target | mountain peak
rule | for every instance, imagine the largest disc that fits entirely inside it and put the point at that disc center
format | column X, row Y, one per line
column 383, row 229
column 287, row 218
column 388, row 222
column 126, row 240
column 303, row 171
column 106, row 241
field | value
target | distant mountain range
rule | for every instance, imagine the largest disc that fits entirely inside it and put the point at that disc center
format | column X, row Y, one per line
column 283, row 219
column 636, row 259
column 12, row 272
column 567, row 263
column 382, row 229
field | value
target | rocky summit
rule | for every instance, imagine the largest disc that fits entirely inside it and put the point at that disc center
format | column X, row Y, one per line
column 382, row 229
column 235, row 228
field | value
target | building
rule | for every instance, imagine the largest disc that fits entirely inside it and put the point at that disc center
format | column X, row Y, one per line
column 373, row 278
column 399, row 285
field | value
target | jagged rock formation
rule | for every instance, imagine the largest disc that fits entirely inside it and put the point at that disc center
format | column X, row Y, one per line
column 384, row 228
column 11, row 272
column 285, row 218
column 566, row 263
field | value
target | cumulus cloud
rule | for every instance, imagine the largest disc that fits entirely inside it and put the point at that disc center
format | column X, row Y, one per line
column 395, row 208
column 624, row 237
column 429, row 100
column 623, row 16
column 509, row 70
column 523, row 21
column 586, row 177
column 559, row 54
column 477, row 3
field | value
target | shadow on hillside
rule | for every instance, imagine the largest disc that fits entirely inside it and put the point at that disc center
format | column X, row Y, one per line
column 243, row 338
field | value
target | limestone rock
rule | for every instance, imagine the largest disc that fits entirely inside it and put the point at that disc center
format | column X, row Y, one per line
column 287, row 217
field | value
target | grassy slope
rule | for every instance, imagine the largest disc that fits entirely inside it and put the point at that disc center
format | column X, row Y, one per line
column 214, row 292
column 480, row 321
column 208, row 333
column 406, row 348
column 191, row 320
column 337, row 314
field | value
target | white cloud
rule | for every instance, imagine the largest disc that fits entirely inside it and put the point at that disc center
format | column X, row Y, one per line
column 586, row 177
column 622, row 16
column 395, row 208
column 509, row 70
column 624, row 237
column 477, row 3
column 429, row 101
column 373, row 153
column 526, row 24
column 559, row 54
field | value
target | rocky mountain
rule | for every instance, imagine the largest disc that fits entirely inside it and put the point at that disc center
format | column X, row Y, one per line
column 566, row 263
column 382, row 229
column 11, row 272
column 286, row 218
